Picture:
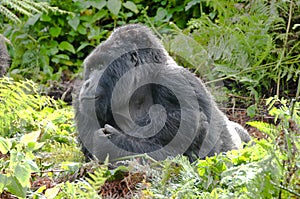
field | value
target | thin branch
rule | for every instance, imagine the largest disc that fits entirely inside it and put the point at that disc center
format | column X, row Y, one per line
column 286, row 189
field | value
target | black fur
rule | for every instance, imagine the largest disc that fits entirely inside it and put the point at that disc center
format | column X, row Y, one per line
column 193, row 124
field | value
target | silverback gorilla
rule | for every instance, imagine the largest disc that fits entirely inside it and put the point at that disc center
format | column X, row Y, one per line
column 135, row 99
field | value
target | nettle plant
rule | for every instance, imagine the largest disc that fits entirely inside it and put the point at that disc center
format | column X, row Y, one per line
column 32, row 126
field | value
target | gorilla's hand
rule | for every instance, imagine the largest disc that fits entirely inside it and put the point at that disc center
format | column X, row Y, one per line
column 109, row 131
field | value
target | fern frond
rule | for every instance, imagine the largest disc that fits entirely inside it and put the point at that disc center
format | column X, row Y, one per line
column 61, row 152
column 98, row 178
column 19, row 105
column 269, row 129
column 18, row 6
column 25, row 7
column 10, row 15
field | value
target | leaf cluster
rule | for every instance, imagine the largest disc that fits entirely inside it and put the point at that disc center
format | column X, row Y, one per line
column 251, row 43
column 31, row 126
column 25, row 7
column 51, row 45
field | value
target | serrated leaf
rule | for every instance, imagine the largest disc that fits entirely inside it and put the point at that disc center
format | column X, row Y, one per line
column 264, row 127
column 66, row 46
column 114, row 6
column 30, row 137
column 131, row 6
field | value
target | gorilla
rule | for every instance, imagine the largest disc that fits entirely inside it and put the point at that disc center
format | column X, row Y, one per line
column 136, row 100
column 4, row 57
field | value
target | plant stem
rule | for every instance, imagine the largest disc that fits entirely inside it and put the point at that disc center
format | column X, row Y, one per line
column 284, row 48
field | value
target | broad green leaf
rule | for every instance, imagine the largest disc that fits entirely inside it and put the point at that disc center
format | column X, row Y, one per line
column 5, row 145
column 131, row 6
column 99, row 4
column 67, row 62
column 33, row 166
column 66, row 46
column 41, row 189
column 62, row 56
column 32, row 146
column 52, row 193
column 162, row 15
column 114, row 6
column 55, row 31
column 82, row 46
column 45, row 17
column 3, row 182
column 81, row 29
column 15, row 187
column 99, row 15
column 74, row 22
column 58, row 58
column 251, row 110
column 23, row 174
column 30, row 137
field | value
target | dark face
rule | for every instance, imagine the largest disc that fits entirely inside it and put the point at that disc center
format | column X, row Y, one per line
column 89, row 93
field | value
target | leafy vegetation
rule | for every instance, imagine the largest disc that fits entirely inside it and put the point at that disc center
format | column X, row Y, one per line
column 251, row 46
column 25, row 7
column 40, row 156
column 255, row 44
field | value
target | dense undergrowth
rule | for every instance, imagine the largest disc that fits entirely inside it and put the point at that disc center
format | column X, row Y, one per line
column 40, row 157
column 250, row 48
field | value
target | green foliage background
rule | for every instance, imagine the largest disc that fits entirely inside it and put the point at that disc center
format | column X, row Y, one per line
column 252, row 46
